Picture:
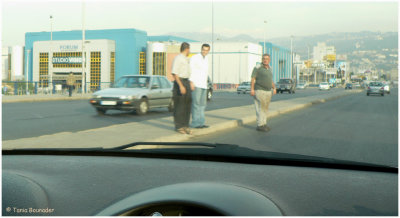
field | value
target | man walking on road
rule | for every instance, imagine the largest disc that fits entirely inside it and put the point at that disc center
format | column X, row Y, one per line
column 262, row 88
column 198, row 77
column 182, row 91
column 70, row 83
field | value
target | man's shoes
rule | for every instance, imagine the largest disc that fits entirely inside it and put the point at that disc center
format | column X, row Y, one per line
column 201, row 127
column 263, row 128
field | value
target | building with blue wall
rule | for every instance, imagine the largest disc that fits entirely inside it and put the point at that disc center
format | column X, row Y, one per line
column 281, row 61
column 128, row 45
column 168, row 38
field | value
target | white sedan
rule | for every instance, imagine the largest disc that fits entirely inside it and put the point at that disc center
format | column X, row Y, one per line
column 324, row 86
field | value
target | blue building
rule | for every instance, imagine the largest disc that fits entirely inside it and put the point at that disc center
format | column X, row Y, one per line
column 129, row 54
column 281, row 61
column 128, row 45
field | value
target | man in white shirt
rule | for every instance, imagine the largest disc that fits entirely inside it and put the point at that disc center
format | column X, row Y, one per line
column 198, row 77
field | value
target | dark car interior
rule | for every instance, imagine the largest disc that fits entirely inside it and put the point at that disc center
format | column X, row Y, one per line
column 202, row 179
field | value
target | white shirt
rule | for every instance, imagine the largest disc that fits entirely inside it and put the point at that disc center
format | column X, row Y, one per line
column 181, row 66
column 199, row 71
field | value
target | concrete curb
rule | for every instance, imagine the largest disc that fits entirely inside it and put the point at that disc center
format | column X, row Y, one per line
column 245, row 120
column 220, row 122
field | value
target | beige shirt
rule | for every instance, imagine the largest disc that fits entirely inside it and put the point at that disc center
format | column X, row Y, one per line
column 181, row 66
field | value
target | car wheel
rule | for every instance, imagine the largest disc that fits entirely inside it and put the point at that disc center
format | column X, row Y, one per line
column 171, row 106
column 101, row 111
column 367, row 94
column 290, row 92
column 382, row 94
column 143, row 107
column 209, row 95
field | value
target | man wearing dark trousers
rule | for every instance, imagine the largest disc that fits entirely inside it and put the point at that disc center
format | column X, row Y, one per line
column 70, row 83
column 182, row 91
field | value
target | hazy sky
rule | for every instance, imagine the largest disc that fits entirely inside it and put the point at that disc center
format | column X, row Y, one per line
column 230, row 18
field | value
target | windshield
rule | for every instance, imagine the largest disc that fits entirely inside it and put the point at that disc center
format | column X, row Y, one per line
column 263, row 75
column 132, row 82
column 285, row 81
column 375, row 84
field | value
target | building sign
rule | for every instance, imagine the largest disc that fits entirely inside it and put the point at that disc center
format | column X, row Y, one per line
column 330, row 57
column 68, row 47
column 67, row 60
column 341, row 65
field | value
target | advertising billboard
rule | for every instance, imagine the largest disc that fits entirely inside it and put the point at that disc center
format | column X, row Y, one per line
column 341, row 64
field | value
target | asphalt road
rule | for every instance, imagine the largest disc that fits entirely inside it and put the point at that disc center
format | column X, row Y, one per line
column 356, row 127
column 23, row 120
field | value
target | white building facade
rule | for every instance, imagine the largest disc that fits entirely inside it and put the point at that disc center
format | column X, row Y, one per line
column 54, row 60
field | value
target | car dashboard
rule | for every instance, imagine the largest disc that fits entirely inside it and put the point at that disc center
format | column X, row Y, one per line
column 85, row 185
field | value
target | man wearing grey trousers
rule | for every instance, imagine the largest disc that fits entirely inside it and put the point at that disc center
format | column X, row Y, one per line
column 262, row 88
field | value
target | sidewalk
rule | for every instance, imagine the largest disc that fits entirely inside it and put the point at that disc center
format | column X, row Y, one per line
column 163, row 129
column 43, row 97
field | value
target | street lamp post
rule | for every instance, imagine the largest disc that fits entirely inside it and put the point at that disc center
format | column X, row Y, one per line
column 265, row 35
column 291, row 54
column 51, row 27
column 51, row 54
column 83, row 82
column 27, row 69
column 212, row 40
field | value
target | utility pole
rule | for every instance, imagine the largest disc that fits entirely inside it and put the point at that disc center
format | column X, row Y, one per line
column 265, row 37
column 291, row 55
column 51, row 54
column 212, row 40
column 83, row 48
column 51, row 27
column 27, row 69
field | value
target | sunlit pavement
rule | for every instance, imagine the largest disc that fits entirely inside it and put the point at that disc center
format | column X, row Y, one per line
column 162, row 128
column 357, row 127
column 23, row 120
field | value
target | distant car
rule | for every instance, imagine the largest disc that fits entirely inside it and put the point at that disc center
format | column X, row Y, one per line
column 244, row 87
column 348, row 86
column 386, row 87
column 356, row 86
column 210, row 89
column 134, row 93
column 324, row 86
column 301, row 86
column 286, row 85
column 376, row 88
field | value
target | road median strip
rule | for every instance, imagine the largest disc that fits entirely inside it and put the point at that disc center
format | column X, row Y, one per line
column 162, row 129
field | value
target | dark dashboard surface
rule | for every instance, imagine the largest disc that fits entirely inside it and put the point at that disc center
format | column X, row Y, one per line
column 88, row 185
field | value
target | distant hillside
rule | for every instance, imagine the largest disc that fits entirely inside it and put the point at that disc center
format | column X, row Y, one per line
column 344, row 42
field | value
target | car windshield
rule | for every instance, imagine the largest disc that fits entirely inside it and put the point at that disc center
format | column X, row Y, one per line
column 375, row 84
column 133, row 82
column 285, row 81
column 264, row 75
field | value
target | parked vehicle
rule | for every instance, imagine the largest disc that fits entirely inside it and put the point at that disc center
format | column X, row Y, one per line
column 138, row 93
column 348, row 86
column 376, row 88
column 286, row 85
column 244, row 88
column 324, row 86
